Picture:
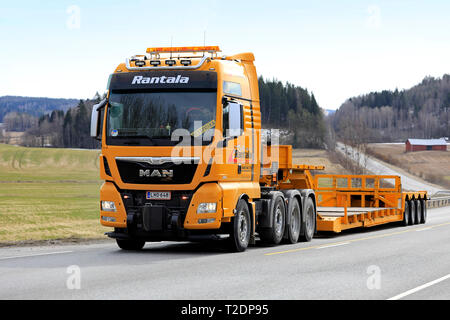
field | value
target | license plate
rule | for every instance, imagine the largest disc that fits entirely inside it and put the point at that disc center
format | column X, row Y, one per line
column 158, row 195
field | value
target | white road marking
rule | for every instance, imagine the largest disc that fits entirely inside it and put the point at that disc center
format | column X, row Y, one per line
column 424, row 229
column 34, row 255
column 333, row 245
column 426, row 285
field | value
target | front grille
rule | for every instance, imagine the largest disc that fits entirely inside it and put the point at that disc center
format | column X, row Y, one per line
column 145, row 173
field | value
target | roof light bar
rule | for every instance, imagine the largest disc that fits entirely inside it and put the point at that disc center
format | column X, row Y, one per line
column 211, row 49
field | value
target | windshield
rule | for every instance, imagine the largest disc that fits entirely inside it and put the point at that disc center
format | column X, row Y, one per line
column 150, row 118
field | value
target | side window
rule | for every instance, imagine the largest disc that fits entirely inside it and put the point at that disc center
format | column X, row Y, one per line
column 233, row 88
column 233, row 119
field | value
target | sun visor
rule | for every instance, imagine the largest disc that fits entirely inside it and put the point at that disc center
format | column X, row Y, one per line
column 164, row 80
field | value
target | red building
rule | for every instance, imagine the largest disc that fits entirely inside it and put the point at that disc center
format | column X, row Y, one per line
column 426, row 144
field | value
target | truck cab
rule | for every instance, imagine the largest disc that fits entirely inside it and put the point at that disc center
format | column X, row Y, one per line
column 181, row 147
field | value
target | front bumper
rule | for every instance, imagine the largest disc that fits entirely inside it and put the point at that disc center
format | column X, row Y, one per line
column 135, row 215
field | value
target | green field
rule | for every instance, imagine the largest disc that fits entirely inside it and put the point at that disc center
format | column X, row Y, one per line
column 48, row 194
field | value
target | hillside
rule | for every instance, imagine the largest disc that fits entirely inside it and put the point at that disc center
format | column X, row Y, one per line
column 420, row 112
column 432, row 166
column 33, row 106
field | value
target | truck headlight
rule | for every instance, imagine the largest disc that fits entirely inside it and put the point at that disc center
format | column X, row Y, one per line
column 108, row 206
column 207, row 207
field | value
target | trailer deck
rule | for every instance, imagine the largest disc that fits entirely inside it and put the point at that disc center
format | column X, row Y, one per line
column 351, row 201
column 340, row 212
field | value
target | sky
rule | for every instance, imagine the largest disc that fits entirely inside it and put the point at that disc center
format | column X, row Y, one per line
column 335, row 49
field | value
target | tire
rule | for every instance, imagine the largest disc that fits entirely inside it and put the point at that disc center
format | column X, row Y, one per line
column 310, row 221
column 412, row 212
column 130, row 244
column 295, row 222
column 423, row 216
column 274, row 234
column 418, row 211
column 241, row 228
column 406, row 214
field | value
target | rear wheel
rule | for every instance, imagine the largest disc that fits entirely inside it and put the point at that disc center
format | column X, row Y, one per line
column 310, row 221
column 406, row 215
column 423, row 217
column 274, row 234
column 240, row 233
column 295, row 221
column 412, row 212
column 130, row 244
column 418, row 211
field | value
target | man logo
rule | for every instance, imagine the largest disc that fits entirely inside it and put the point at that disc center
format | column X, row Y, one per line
column 156, row 173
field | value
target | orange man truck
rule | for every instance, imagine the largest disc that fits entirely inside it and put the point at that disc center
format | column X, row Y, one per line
column 184, row 158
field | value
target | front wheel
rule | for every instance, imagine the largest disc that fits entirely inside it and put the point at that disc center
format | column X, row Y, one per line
column 130, row 244
column 241, row 227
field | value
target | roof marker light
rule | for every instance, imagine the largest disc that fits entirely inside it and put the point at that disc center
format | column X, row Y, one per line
column 171, row 62
column 185, row 62
column 184, row 49
column 155, row 63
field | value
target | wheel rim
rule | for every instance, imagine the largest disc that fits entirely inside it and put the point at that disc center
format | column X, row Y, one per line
column 278, row 221
column 243, row 229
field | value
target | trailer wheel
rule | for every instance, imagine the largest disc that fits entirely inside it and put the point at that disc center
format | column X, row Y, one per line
column 423, row 214
column 241, row 227
column 295, row 221
column 126, row 244
column 310, row 221
column 275, row 233
column 406, row 214
column 418, row 211
column 412, row 212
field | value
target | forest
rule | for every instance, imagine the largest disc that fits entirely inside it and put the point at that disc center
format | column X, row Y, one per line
column 31, row 106
column 394, row 116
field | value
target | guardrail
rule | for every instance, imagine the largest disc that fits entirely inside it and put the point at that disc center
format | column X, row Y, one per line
column 439, row 199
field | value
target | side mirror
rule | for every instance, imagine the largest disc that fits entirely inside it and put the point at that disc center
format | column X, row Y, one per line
column 95, row 118
column 235, row 119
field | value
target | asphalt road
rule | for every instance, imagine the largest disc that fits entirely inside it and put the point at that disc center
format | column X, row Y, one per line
column 378, row 167
column 381, row 263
